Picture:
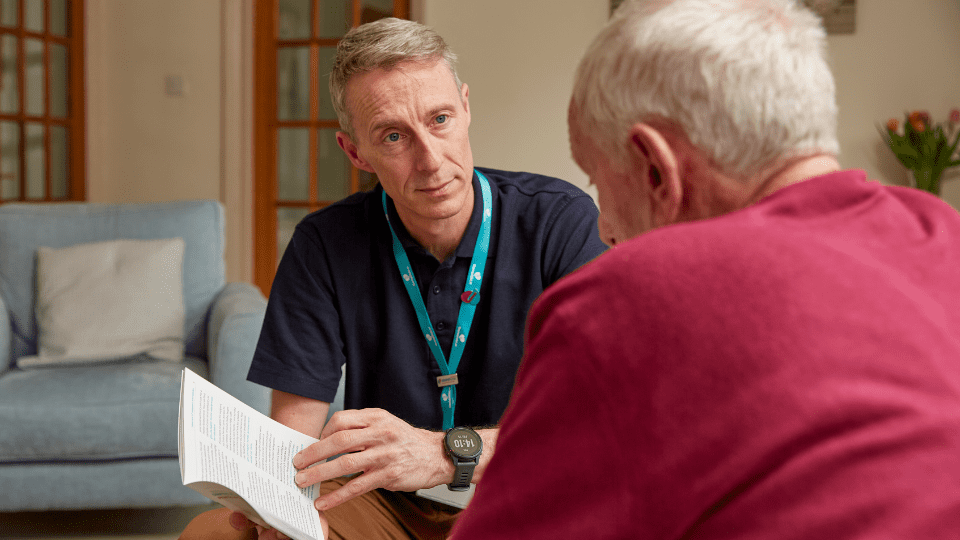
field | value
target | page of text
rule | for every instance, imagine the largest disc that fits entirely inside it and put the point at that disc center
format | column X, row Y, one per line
column 228, row 443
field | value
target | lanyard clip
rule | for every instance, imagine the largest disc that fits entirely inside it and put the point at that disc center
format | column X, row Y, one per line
column 447, row 380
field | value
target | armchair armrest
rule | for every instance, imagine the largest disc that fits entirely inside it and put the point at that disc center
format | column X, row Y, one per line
column 5, row 334
column 234, row 328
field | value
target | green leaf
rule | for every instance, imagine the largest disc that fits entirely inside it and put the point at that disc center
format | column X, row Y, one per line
column 953, row 147
column 908, row 162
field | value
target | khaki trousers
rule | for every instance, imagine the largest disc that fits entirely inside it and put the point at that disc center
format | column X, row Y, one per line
column 388, row 515
column 377, row 515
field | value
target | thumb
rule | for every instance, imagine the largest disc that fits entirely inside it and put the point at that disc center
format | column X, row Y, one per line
column 240, row 522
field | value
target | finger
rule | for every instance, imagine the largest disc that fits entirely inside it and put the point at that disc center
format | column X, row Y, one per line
column 239, row 521
column 272, row 534
column 354, row 488
column 342, row 466
column 324, row 525
column 328, row 446
column 264, row 533
column 375, row 457
column 353, row 433
column 351, row 419
column 342, row 442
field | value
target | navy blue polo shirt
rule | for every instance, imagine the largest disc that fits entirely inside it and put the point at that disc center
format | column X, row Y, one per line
column 338, row 298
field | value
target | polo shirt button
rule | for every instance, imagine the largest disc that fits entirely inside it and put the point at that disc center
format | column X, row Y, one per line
column 440, row 325
column 436, row 289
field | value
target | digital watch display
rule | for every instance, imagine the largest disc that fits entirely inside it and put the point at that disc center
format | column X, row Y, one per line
column 464, row 447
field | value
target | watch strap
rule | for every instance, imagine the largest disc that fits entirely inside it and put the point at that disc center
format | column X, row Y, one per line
column 462, row 475
column 464, row 463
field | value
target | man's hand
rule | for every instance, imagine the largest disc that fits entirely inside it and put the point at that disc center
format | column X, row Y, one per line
column 389, row 453
column 240, row 522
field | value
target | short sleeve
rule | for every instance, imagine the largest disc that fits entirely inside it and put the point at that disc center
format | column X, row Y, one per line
column 300, row 350
column 572, row 238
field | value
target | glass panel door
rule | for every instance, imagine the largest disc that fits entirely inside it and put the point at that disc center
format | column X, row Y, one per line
column 41, row 91
column 9, row 161
column 299, row 167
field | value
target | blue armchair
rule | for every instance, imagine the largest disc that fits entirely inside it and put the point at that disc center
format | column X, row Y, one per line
column 104, row 434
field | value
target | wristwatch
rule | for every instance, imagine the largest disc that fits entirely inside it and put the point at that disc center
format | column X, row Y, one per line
column 464, row 446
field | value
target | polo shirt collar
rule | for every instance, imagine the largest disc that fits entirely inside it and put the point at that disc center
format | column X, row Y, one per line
column 469, row 240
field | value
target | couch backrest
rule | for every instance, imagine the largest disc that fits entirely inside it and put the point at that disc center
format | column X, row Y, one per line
column 25, row 227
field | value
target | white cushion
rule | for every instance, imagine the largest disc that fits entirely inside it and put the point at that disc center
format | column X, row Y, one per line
column 109, row 300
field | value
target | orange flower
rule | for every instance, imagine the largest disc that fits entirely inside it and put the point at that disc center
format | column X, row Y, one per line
column 917, row 116
column 919, row 120
column 893, row 125
column 955, row 116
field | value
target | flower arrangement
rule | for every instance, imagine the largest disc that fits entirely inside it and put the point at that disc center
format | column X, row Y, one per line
column 924, row 147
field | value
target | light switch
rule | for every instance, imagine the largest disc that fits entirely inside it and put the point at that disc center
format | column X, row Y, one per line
column 175, row 85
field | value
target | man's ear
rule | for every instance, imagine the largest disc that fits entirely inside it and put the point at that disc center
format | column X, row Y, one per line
column 349, row 148
column 657, row 162
column 465, row 99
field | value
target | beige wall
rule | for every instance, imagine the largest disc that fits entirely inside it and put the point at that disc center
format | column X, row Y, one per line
column 145, row 145
column 520, row 72
column 903, row 56
column 150, row 146
column 517, row 57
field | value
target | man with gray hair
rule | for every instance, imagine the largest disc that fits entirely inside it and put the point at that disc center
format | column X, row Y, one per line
column 772, row 347
column 420, row 288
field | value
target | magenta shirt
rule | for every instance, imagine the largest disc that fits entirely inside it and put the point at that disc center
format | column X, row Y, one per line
column 787, row 371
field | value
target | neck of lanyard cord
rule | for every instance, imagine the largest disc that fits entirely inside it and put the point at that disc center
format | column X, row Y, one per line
column 468, row 302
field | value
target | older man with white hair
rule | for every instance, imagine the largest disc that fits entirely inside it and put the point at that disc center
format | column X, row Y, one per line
column 772, row 347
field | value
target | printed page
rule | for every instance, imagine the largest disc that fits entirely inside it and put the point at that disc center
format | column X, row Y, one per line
column 233, row 454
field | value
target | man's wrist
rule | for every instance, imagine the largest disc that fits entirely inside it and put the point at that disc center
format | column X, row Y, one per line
column 445, row 469
column 464, row 447
column 489, row 436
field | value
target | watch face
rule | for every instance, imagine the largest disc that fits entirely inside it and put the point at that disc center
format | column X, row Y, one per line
column 464, row 443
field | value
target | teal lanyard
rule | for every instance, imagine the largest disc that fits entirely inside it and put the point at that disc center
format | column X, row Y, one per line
column 468, row 303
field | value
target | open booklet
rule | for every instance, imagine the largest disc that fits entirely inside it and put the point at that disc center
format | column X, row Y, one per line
column 236, row 456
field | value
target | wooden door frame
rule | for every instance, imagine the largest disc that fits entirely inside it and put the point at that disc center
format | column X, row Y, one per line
column 75, row 121
column 264, row 233
column 77, row 171
column 264, row 153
